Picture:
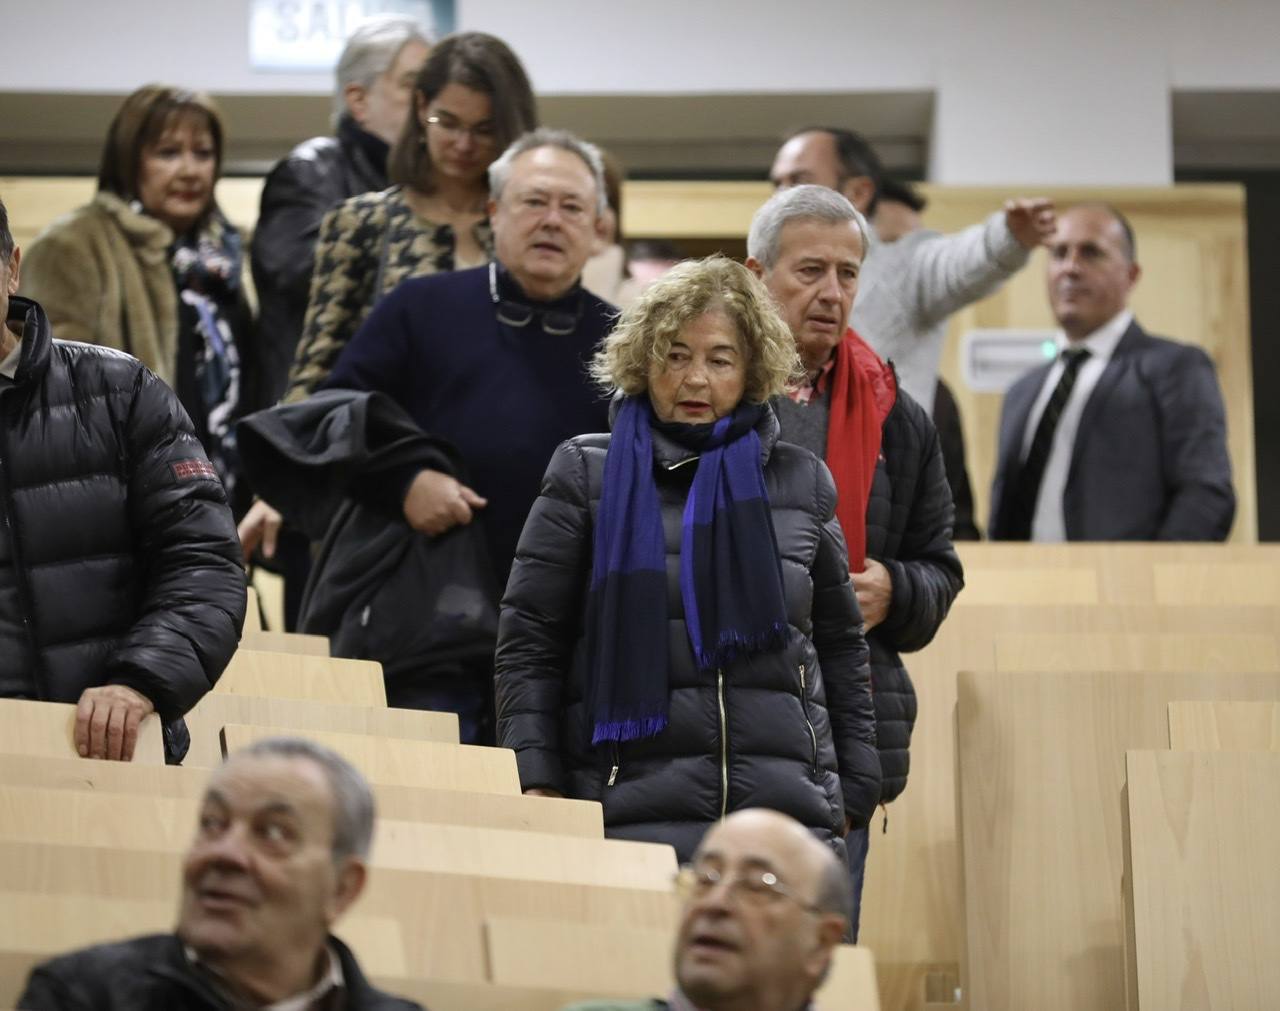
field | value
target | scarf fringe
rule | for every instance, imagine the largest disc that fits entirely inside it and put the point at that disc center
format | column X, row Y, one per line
column 629, row 730
column 732, row 645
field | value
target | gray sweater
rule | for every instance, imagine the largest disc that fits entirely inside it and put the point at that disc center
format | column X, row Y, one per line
column 910, row 287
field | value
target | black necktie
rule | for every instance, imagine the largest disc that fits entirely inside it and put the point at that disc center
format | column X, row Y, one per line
column 1032, row 472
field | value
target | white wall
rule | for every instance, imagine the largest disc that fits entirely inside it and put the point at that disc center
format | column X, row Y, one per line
column 1026, row 92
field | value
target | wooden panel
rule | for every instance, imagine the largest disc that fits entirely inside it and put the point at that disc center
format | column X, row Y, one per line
column 439, row 914
column 400, row 803
column 1041, row 767
column 252, row 613
column 542, row 953
column 291, row 676
column 304, row 715
column 285, row 642
column 912, row 917
column 1203, row 880
column 166, row 825
column 1029, row 586
column 404, row 762
column 1059, row 651
column 451, row 995
column 548, row 953
column 1218, row 584
column 1224, row 726
column 48, row 728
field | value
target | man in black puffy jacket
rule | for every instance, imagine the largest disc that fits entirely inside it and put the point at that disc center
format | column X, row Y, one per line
column 808, row 244
column 375, row 77
column 120, row 583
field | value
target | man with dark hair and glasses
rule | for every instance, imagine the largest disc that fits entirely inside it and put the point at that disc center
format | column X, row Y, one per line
column 764, row 904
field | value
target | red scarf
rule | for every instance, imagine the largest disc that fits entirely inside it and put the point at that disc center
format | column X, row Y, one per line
column 863, row 393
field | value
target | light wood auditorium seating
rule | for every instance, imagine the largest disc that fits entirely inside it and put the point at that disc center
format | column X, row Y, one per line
column 398, row 803
column 292, row 676
column 252, row 613
column 165, row 825
column 48, row 729
column 404, row 762
column 1041, row 768
column 440, row 915
column 1224, row 726
column 295, row 716
column 1202, row 882
column 912, row 913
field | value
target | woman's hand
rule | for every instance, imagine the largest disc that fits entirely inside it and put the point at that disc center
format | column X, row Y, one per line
column 437, row 502
column 260, row 526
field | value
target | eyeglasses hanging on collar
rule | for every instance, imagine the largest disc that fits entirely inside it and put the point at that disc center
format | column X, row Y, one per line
column 554, row 322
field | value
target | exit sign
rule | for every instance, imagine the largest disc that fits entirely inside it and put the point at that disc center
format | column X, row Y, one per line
column 309, row 34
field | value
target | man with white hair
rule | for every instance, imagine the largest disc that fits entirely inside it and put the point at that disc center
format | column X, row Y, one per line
column 809, row 245
column 371, row 102
column 280, row 852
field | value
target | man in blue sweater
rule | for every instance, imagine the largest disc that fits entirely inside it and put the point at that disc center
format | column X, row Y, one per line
column 494, row 359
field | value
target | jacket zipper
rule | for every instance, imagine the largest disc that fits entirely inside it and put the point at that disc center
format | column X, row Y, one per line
column 617, row 763
column 19, row 570
column 724, row 744
column 804, row 705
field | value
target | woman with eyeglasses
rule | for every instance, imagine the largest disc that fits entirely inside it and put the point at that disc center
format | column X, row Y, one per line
column 679, row 637
column 472, row 98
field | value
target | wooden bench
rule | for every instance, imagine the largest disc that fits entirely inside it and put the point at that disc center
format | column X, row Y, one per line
column 48, row 729
column 301, row 717
column 284, row 642
column 293, row 676
column 399, row 803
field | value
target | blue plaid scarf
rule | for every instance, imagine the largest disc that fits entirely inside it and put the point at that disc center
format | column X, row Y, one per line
column 730, row 573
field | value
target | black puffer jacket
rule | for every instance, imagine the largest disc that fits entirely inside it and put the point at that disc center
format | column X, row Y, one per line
column 909, row 517
column 125, row 559
column 299, row 191
column 152, row 974
column 791, row 730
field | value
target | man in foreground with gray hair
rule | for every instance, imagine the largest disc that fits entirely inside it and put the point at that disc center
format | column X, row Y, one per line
column 280, row 853
column 371, row 101
column 809, row 244
column 764, row 906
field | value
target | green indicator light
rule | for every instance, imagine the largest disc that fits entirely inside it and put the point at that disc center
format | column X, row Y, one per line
column 1049, row 349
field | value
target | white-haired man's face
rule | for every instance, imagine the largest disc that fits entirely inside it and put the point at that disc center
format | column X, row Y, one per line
column 382, row 109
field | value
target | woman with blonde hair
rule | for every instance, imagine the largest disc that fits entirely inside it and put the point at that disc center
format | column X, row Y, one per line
column 679, row 636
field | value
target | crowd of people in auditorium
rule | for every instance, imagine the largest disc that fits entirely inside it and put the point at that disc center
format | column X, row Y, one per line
column 671, row 555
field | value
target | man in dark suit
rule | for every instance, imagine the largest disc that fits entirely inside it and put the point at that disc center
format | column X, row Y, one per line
column 1123, row 435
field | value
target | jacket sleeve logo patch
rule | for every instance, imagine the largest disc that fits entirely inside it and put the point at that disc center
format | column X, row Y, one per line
column 194, row 470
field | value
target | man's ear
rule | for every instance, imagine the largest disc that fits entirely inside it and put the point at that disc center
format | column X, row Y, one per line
column 352, row 876
column 860, row 191
column 356, row 97
column 755, row 266
column 15, row 262
column 490, row 208
column 831, row 928
column 1135, row 273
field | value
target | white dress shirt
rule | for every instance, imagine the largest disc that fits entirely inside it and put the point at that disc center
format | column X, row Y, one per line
column 1049, row 522
column 9, row 367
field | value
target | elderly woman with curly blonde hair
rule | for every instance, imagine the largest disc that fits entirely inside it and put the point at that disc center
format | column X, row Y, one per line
column 679, row 637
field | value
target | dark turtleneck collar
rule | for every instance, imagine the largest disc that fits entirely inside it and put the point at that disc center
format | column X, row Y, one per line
column 509, row 288
column 377, row 150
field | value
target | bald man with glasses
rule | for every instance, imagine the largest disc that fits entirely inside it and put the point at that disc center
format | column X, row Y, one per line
column 764, row 905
